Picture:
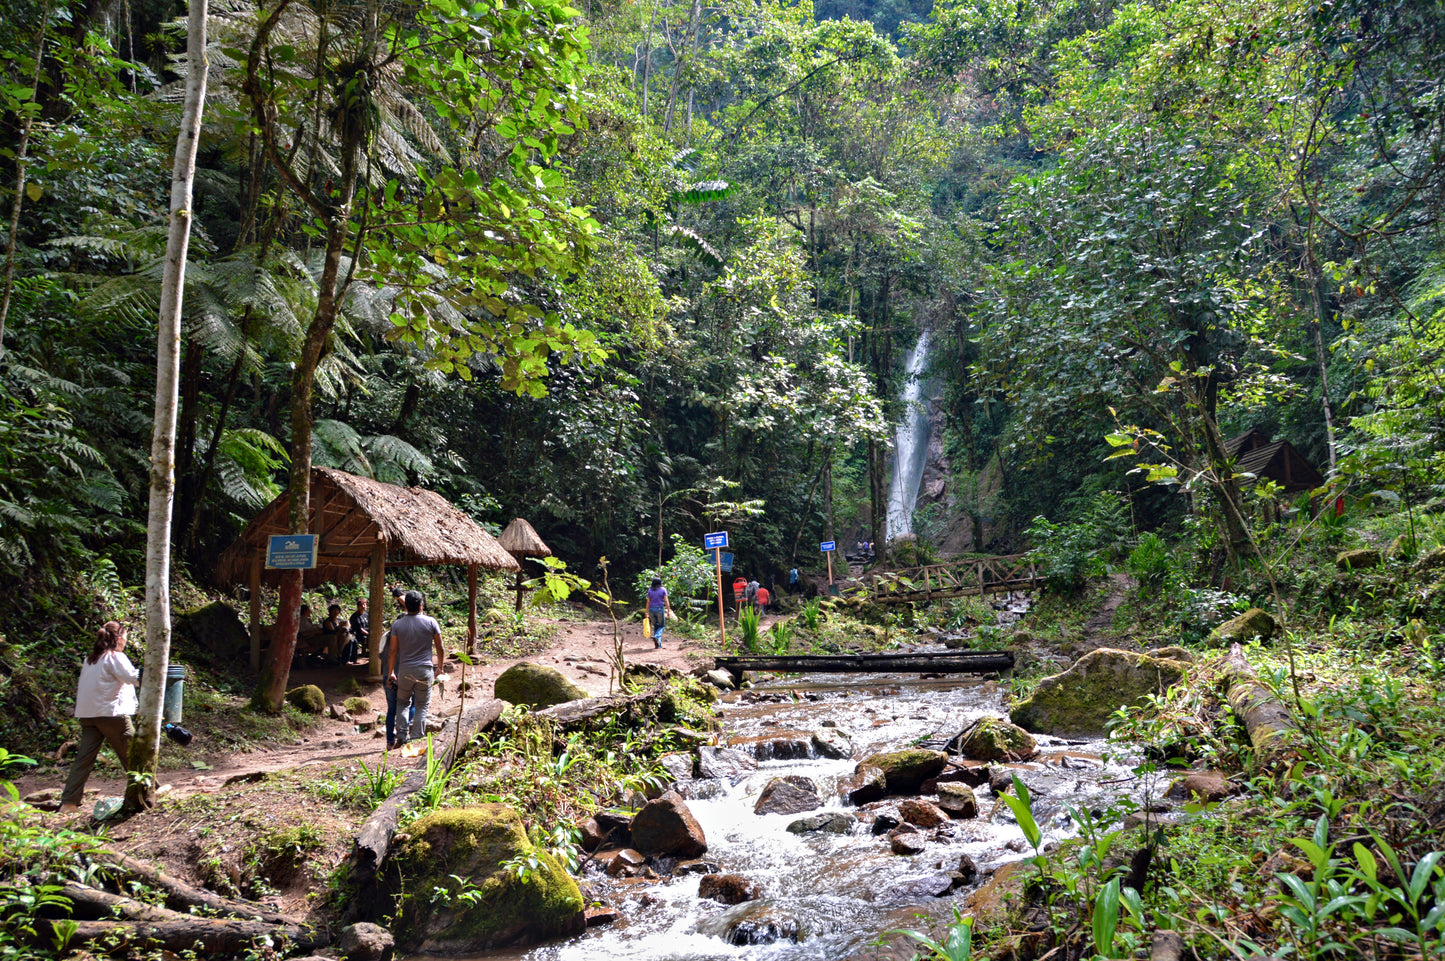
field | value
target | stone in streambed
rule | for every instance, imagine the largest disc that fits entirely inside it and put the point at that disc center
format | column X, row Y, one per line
column 720, row 679
column 922, row 813
column 788, row 796
column 994, row 739
column 906, row 840
column 905, row 771
column 728, row 888
column 755, row 922
column 822, row 823
column 1078, row 702
column 725, row 763
column 666, row 828
column 626, row 863
column 957, row 800
column 866, row 785
column 832, row 743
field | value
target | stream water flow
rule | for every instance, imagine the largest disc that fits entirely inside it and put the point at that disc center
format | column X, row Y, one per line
column 910, row 444
column 844, row 890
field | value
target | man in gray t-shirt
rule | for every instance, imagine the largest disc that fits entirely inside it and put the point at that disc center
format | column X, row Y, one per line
column 411, row 642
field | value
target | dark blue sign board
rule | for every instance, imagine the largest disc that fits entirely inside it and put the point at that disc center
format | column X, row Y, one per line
column 715, row 541
column 827, row 546
column 727, row 562
column 291, row 552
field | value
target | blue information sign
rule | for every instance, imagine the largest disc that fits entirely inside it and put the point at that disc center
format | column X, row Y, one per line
column 714, row 541
column 727, row 562
column 827, row 546
column 291, row 552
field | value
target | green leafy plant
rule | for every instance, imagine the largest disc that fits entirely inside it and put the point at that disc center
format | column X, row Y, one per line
column 748, row 626
column 812, row 615
column 957, row 944
column 781, row 636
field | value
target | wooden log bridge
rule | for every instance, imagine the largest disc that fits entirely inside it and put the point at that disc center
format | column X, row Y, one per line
column 966, row 577
column 950, row 662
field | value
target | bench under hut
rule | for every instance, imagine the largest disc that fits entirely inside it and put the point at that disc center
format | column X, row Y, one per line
column 364, row 525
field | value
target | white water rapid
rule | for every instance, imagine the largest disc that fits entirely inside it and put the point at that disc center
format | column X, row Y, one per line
column 910, row 445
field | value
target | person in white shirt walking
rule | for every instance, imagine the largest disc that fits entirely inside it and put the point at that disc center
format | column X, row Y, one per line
column 104, row 701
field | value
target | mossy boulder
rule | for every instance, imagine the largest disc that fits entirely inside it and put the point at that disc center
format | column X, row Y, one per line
column 1243, row 629
column 536, row 685
column 994, row 739
column 1430, row 560
column 501, row 908
column 217, row 628
column 1078, row 702
column 1362, row 559
column 308, row 698
column 357, row 706
column 905, row 771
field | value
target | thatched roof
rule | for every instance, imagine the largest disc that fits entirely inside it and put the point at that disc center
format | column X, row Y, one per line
column 520, row 539
column 352, row 515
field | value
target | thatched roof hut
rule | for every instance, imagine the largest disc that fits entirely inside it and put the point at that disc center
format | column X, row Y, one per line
column 1256, row 453
column 353, row 515
column 520, row 539
column 364, row 525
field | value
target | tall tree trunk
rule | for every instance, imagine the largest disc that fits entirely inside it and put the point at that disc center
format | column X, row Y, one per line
column 145, row 748
column 18, row 201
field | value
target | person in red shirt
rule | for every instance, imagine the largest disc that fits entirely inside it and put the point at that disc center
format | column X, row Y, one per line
column 740, row 588
column 763, row 597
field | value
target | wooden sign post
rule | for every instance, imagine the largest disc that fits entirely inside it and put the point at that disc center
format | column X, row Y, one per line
column 716, row 542
column 828, row 547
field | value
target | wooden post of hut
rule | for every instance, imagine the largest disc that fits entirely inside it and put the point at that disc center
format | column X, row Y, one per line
column 521, row 540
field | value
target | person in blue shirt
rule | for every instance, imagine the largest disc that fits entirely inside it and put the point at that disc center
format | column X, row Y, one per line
column 658, row 609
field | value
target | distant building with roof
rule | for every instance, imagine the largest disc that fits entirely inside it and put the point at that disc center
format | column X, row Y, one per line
column 1255, row 452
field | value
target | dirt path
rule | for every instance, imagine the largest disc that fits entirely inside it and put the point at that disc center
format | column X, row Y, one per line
column 580, row 652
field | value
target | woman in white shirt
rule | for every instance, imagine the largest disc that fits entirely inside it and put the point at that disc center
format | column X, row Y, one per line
column 104, row 701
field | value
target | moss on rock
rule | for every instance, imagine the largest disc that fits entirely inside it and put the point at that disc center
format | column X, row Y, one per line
column 308, row 698
column 1243, row 629
column 905, row 771
column 357, row 706
column 1080, row 701
column 994, row 739
column 536, row 685
column 1362, row 559
column 500, row 908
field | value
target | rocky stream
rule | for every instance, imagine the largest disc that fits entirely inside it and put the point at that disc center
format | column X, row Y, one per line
column 840, row 863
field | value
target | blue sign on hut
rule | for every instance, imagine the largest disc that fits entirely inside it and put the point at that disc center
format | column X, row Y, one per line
column 365, row 525
column 521, row 540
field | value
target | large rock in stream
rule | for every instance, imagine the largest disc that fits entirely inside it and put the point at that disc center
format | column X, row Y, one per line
column 1078, row 702
column 788, row 795
column 905, row 771
column 994, row 739
column 666, row 828
column 536, row 685
column 501, row 909
column 755, row 922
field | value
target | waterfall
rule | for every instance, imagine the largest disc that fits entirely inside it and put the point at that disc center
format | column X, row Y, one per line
column 910, row 445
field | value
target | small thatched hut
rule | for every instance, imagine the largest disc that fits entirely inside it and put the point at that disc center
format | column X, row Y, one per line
column 365, row 525
column 521, row 540
column 1255, row 452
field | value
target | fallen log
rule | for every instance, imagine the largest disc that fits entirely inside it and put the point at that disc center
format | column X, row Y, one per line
column 1266, row 720
column 181, row 895
column 373, row 841
column 93, row 904
column 570, row 715
column 185, row 933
